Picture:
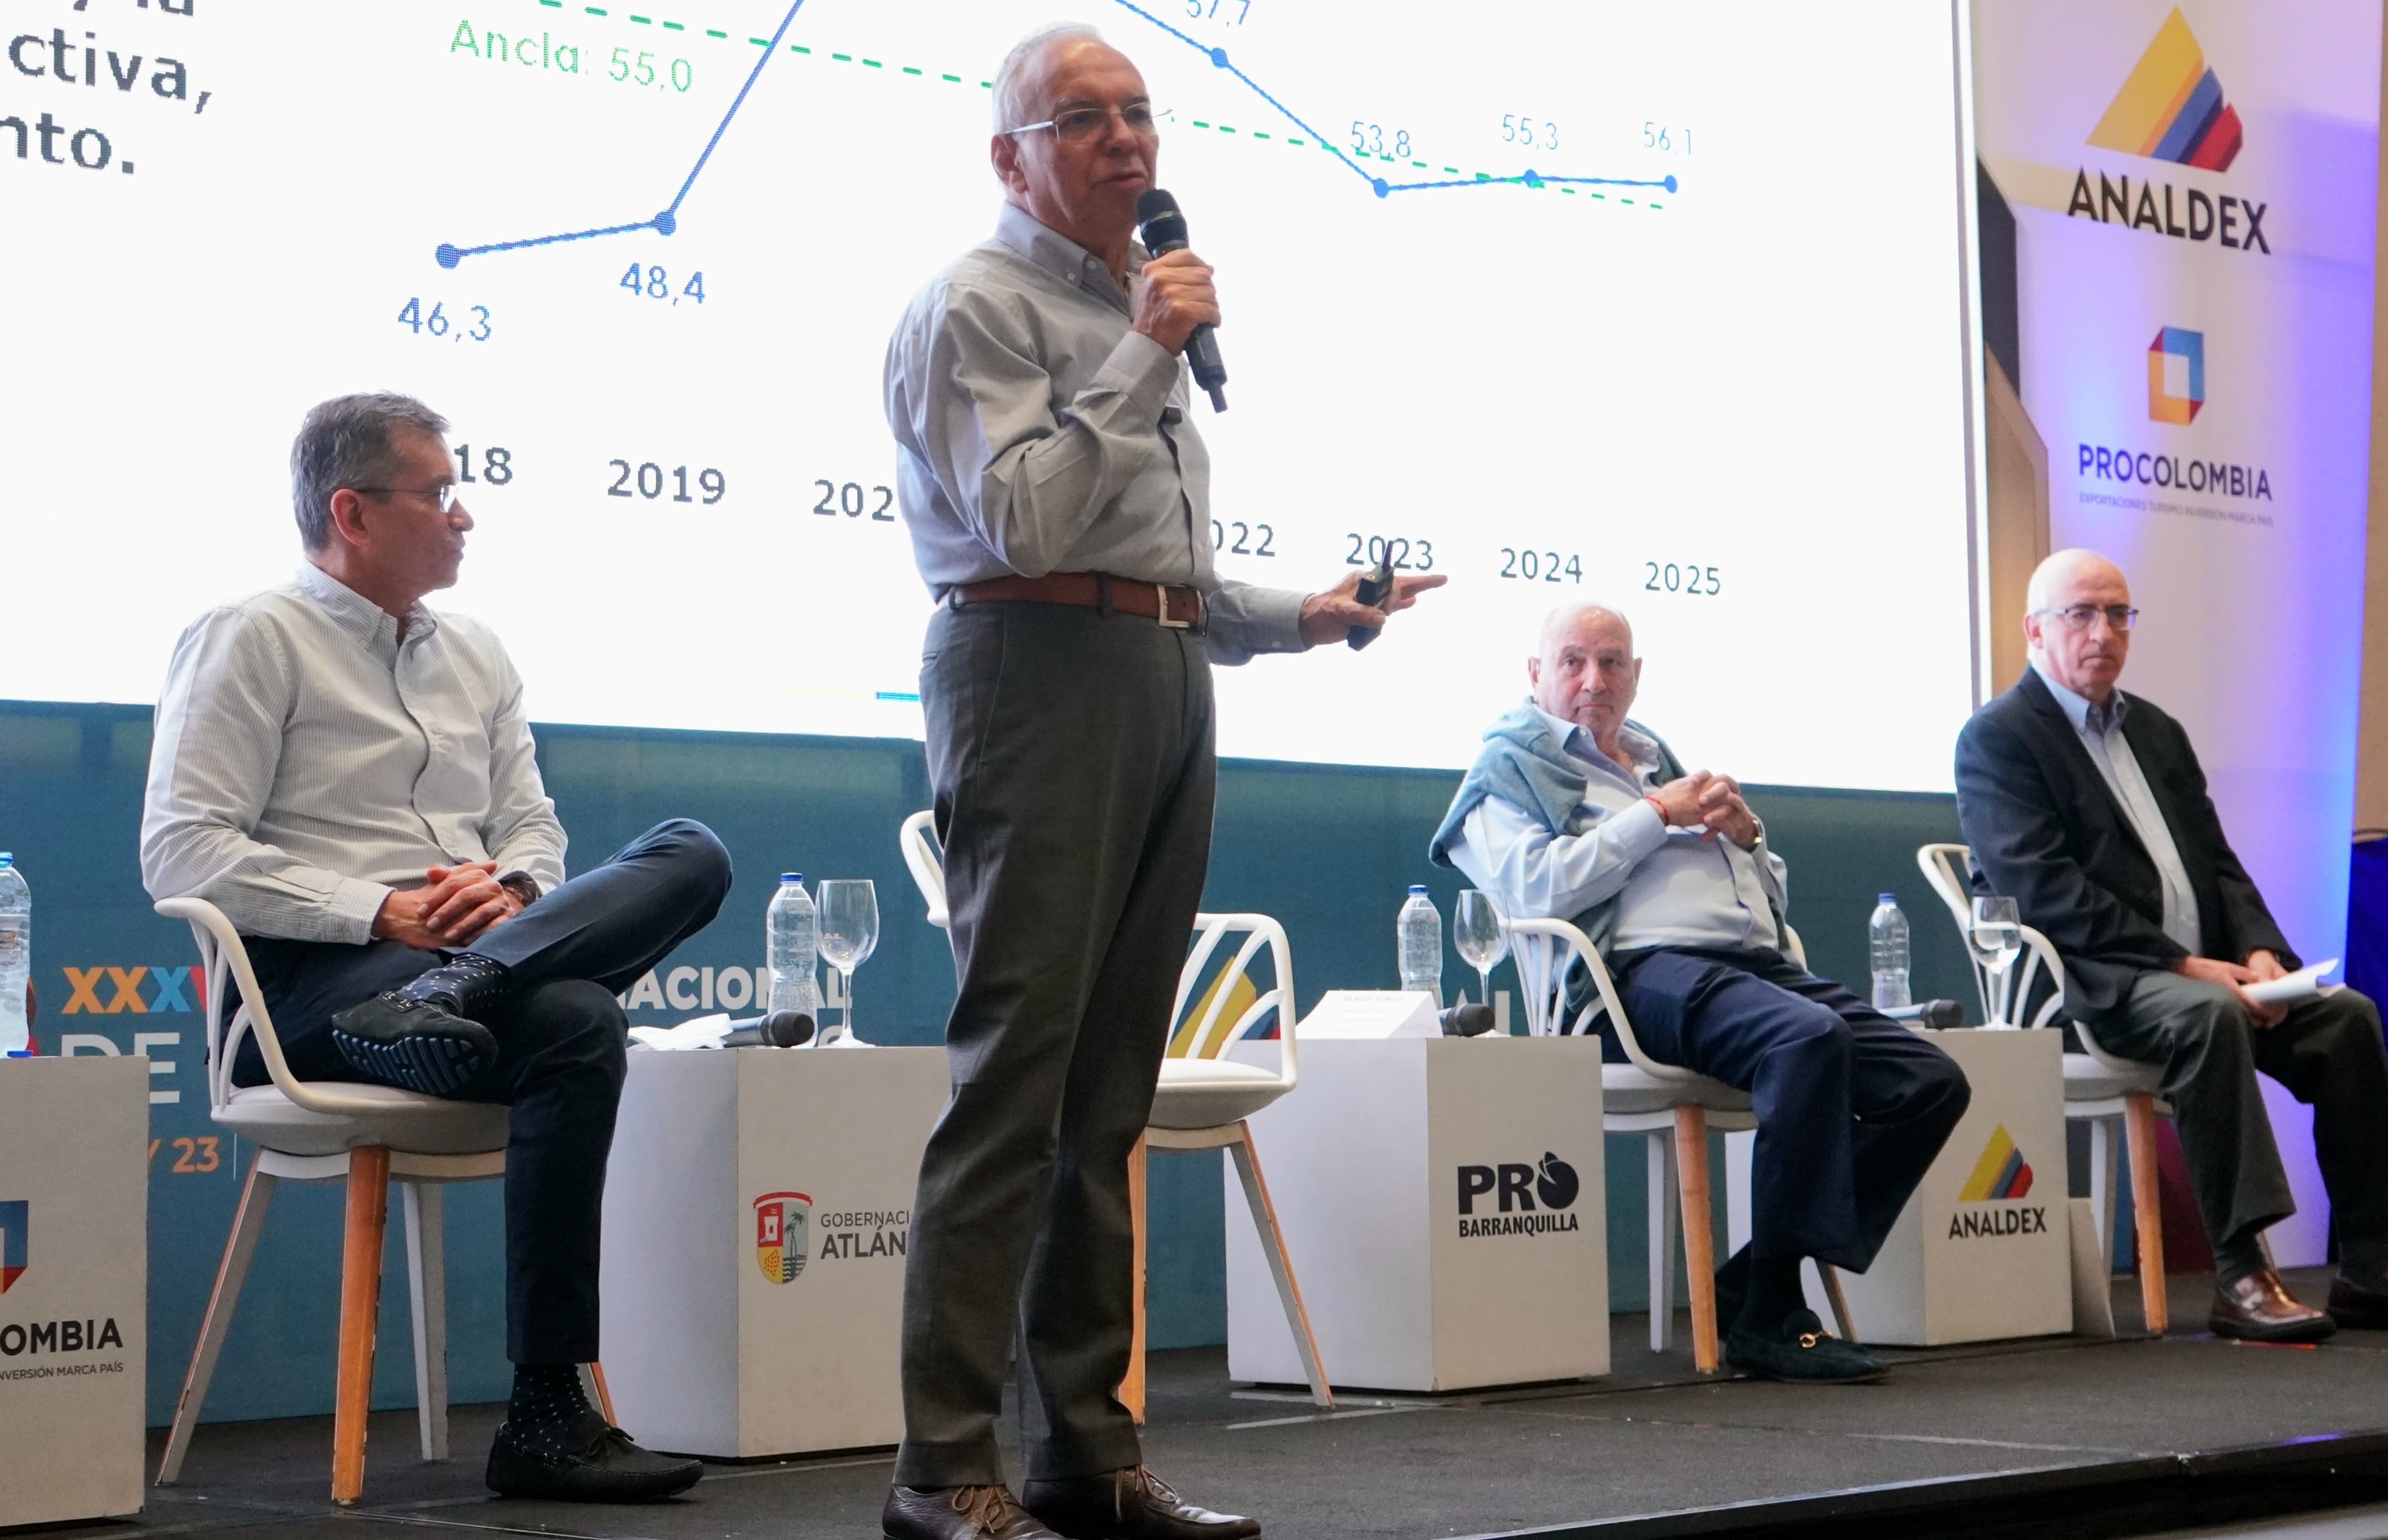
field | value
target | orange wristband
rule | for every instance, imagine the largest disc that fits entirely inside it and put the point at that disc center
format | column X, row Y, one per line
column 1657, row 807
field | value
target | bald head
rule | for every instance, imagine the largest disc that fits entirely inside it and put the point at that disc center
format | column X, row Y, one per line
column 2068, row 621
column 1584, row 669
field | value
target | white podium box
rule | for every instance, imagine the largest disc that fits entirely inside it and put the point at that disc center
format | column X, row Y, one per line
column 74, row 1287
column 1983, row 1250
column 1442, row 1203
column 756, row 1209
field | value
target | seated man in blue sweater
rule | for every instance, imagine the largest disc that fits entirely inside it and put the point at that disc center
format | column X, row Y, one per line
column 1573, row 812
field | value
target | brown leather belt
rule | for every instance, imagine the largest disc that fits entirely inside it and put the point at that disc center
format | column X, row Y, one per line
column 1176, row 606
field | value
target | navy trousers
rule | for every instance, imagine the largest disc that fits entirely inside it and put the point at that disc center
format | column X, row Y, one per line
column 561, row 1038
column 1851, row 1106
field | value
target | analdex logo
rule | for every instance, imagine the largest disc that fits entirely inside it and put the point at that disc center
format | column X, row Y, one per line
column 14, row 1218
column 1991, row 1196
column 1516, row 1189
column 2170, row 108
column 780, row 1220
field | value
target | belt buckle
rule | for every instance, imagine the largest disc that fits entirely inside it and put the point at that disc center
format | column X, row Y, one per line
column 1160, row 608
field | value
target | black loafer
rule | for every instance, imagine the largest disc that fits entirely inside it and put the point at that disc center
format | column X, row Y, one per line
column 1801, row 1352
column 2356, row 1307
column 415, row 1045
column 603, row 1467
column 958, row 1513
column 1129, row 1504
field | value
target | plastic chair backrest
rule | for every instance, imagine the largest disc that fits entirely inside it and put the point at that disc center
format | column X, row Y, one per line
column 1545, row 953
column 1226, row 1005
column 2003, row 1001
column 224, row 959
column 919, row 839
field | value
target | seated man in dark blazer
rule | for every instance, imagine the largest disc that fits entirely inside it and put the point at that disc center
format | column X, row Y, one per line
column 2088, row 808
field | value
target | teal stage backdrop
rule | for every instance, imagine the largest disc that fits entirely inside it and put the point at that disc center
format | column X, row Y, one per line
column 1327, row 850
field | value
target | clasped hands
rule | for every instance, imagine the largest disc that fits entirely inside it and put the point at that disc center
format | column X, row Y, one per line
column 2260, row 967
column 1711, row 804
column 452, row 909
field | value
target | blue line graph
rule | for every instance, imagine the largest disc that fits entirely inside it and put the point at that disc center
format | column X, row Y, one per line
column 665, row 221
column 1529, row 177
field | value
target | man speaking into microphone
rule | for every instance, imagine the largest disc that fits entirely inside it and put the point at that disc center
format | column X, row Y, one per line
column 1058, row 498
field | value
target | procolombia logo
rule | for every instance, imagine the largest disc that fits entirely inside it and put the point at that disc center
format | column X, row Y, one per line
column 1516, row 1191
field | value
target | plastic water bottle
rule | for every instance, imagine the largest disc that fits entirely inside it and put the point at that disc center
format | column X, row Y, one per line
column 792, row 938
column 16, row 957
column 1419, row 933
column 1887, row 933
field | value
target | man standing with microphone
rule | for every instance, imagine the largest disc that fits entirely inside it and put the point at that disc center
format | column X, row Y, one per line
column 1058, row 498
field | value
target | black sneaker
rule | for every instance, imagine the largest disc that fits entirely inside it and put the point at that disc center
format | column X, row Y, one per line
column 416, row 1045
column 601, row 1465
column 1800, row 1351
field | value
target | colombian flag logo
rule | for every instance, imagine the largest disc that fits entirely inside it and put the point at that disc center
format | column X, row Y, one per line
column 13, row 1221
column 2171, row 107
column 2001, row 1173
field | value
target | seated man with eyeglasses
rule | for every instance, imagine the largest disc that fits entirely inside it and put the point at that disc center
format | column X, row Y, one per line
column 2088, row 808
column 1575, row 811
column 348, row 775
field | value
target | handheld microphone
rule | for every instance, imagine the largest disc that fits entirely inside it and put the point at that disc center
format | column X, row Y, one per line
column 777, row 1029
column 1162, row 229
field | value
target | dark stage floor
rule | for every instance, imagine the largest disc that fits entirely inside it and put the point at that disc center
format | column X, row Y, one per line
column 1653, row 1439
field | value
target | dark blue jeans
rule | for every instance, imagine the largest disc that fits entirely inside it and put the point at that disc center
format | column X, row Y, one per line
column 1851, row 1106
column 561, row 1038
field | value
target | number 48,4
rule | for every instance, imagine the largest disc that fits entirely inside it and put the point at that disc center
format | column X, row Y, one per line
column 655, row 283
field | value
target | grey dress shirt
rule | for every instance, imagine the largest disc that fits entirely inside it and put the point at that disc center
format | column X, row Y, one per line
column 2100, row 729
column 1672, row 887
column 1039, row 432
column 307, row 763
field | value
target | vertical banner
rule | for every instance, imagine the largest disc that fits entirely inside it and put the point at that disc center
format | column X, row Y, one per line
column 2193, row 192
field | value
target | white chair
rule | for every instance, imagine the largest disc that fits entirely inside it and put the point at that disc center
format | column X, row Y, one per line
column 1672, row 1107
column 316, row 1132
column 1204, row 1099
column 2101, row 1089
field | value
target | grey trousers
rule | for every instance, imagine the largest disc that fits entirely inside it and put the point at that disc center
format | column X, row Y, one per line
column 2327, row 1053
column 1070, row 756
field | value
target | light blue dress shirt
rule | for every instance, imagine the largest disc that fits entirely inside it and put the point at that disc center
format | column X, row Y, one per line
column 1672, row 887
column 2100, row 730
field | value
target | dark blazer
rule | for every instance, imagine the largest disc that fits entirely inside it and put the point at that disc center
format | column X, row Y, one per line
column 2047, row 833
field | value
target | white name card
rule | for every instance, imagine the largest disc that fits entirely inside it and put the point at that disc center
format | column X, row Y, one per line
column 1372, row 1014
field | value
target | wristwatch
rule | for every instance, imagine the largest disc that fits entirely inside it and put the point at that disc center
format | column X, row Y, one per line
column 522, row 885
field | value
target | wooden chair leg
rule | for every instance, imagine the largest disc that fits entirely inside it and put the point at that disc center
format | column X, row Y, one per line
column 368, row 1215
column 598, row 1393
column 1830, row 1276
column 1699, row 1250
column 2140, row 1132
column 1131, row 1391
column 427, row 1277
column 240, row 1248
column 1661, row 1145
column 1288, row 1292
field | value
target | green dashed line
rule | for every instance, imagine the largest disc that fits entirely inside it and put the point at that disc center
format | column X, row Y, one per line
column 674, row 27
column 1258, row 135
column 1290, row 140
column 875, row 64
column 1624, row 200
column 956, row 79
column 794, row 49
column 909, row 71
column 644, row 20
column 710, row 32
column 1602, row 197
column 592, row 10
column 1200, row 123
column 553, row 5
column 841, row 58
column 1225, row 129
column 1451, row 171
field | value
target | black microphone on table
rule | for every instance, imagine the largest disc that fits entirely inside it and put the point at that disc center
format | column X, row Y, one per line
column 1162, row 229
column 774, row 1030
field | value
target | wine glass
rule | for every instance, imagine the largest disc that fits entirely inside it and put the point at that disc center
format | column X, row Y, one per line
column 1995, row 936
column 1480, row 937
column 848, row 921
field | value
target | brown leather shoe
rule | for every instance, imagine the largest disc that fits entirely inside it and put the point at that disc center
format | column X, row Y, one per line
column 2362, row 1307
column 2258, row 1308
column 1130, row 1504
column 958, row 1513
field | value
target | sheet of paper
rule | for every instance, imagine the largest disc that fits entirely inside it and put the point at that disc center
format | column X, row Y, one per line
column 1371, row 1013
column 2305, row 984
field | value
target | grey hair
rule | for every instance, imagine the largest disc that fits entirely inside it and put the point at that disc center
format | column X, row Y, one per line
column 346, row 442
column 1012, row 109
